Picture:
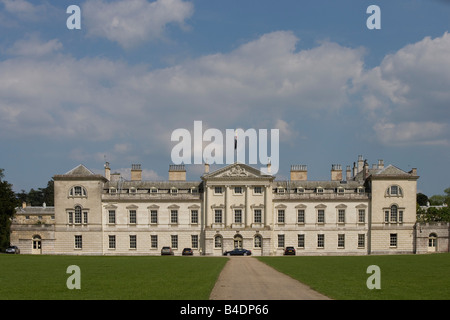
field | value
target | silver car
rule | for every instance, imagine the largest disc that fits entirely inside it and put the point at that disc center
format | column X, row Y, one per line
column 13, row 249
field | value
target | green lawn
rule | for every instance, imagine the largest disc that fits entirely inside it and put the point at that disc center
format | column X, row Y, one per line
column 411, row 277
column 165, row 278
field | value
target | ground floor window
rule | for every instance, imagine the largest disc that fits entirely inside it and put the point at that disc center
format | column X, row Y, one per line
column 301, row 240
column 112, row 242
column 281, row 241
column 258, row 241
column 154, row 241
column 432, row 240
column 320, row 241
column 133, row 241
column 174, row 241
column 78, row 242
column 217, row 242
column 361, row 240
column 194, row 241
column 393, row 240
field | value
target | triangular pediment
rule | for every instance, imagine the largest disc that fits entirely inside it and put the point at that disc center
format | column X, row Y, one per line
column 236, row 171
column 80, row 170
column 391, row 171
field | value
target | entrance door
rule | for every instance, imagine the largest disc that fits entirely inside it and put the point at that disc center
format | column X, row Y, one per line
column 37, row 245
column 238, row 241
column 432, row 242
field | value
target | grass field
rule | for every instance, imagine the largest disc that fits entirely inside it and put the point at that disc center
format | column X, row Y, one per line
column 162, row 278
column 412, row 277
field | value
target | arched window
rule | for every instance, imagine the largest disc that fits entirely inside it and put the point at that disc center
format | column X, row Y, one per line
column 394, row 213
column 77, row 214
column 394, row 191
column 77, row 191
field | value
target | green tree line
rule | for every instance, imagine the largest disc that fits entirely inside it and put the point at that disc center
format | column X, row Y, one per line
column 9, row 201
column 434, row 214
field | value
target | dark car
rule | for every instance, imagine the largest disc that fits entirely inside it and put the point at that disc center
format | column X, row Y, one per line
column 289, row 251
column 166, row 251
column 238, row 252
column 12, row 249
column 187, row 252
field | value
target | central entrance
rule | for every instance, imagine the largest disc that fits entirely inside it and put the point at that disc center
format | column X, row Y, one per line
column 238, row 241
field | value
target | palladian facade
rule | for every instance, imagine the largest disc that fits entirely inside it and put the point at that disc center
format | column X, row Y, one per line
column 361, row 210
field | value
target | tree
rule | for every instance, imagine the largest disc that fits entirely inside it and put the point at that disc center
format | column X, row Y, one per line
column 422, row 199
column 8, row 203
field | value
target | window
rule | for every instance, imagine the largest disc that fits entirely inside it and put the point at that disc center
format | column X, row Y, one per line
column 77, row 215
column 85, row 217
column 386, row 216
column 132, row 216
column 301, row 240
column 112, row 242
column 320, row 241
column 300, row 190
column 340, row 190
column 394, row 210
column 153, row 190
column 361, row 190
column 217, row 190
column 153, row 216
column 238, row 190
column 258, row 241
column 432, row 240
column 361, row 215
column 361, row 240
column 238, row 216
column 174, row 241
column 174, row 191
column 174, row 216
column 301, row 216
column 400, row 216
column 194, row 216
column 341, row 216
column 393, row 240
column 280, row 190
column 77, row 191
column 112, row 190
column 320, row 216
column 341, row 240
column 394, row 191
column 280, row 216
column 257, row 216
column 257, row 190
column 218, row 216
column 194, row 241
column 154, row 241
column 69, row 217
column 132, row 190
column 319, row 190
column 281, row 241
column 133, row 241
column 112, row 216
column 78, row 242
column 217, row 242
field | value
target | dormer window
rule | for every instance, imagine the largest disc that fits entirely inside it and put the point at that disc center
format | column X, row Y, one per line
column 319, row 190
column 174, row 191
column 300, row 190
column 77, row 191
column 132, row 190
column 112, row 190
column 361, row 190
column 153, row 190
column 340, row 190
column 280, row 190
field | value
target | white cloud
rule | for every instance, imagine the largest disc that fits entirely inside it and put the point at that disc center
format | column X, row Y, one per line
column 131, row 22
column 407, row 95
column 33, row 46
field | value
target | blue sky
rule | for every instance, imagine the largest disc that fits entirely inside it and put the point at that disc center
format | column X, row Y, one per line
column 137, row 70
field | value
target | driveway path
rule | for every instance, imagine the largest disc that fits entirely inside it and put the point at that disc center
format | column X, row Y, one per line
column 247, row 278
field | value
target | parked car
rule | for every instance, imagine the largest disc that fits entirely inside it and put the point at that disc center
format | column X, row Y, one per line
column 289, row 251
column 238, row 252
column 166, row 251
column 13, row 249
column 187, row 252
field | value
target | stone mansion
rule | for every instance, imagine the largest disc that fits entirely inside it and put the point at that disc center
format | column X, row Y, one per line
column 361, row 210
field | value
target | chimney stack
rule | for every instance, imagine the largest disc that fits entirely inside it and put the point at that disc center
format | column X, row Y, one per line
column 107, row 171
column 380, row 164
column 136, row 172
column 348, row 173
column 360, row 163
column 336, row 172
column 177, row 172
column 299, row 172
column 206, row 167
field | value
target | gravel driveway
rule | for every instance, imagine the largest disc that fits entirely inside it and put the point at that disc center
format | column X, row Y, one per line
column 247, row 278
